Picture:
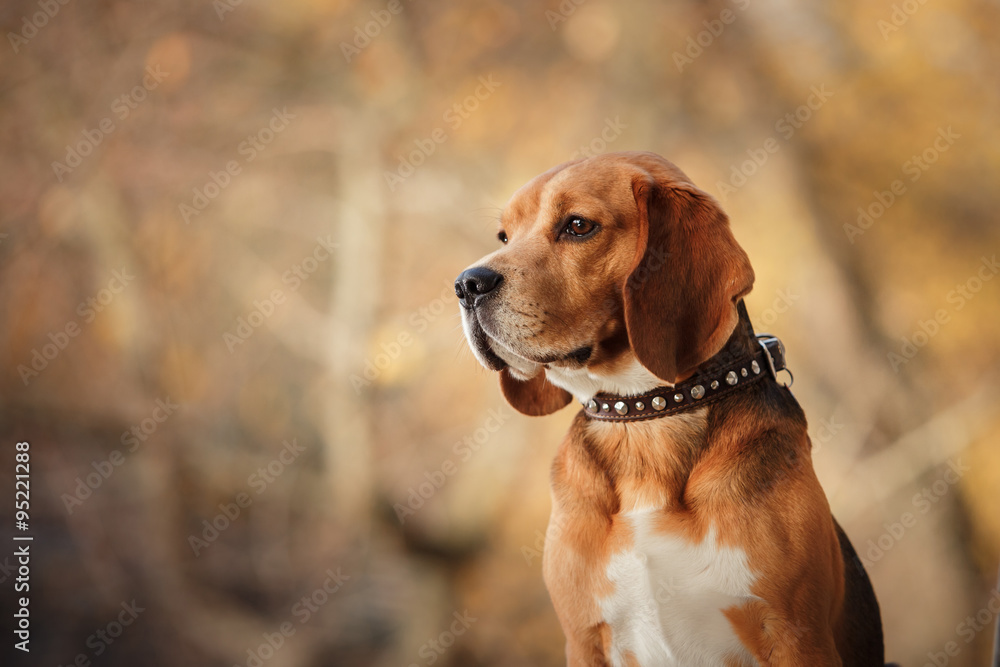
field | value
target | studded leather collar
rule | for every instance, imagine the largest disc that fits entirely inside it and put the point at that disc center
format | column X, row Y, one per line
column 700, row 389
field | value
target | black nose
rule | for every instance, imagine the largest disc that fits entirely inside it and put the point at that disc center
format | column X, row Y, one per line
column 475, row 284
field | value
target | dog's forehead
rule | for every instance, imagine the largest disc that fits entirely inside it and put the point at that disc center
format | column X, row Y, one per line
column 585, row 187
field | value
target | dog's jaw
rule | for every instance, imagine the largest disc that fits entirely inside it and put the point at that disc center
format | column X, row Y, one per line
column 585, row 383
column 520, row 368
column 481, row 344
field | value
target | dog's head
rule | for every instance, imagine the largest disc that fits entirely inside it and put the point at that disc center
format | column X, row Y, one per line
column 616, row 274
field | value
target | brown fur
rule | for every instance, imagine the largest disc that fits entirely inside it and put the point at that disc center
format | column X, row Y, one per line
column 661, row 283
column 674, row 325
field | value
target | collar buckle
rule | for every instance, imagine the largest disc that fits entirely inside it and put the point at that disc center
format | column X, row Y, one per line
column 768, row 341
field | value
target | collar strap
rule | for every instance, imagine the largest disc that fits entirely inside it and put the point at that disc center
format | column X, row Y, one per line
column 703, row 388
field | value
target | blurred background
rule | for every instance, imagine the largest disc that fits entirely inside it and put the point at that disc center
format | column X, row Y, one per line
column 228, row 234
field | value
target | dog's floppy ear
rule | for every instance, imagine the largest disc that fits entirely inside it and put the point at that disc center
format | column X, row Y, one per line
column 535, row 397
column 688, row 274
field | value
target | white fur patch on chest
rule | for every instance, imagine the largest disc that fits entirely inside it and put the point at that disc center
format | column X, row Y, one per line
column 666, row 609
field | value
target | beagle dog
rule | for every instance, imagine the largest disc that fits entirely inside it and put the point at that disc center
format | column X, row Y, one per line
column 688, row 526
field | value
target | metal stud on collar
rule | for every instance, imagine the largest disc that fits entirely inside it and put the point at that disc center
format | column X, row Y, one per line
column 686, row 395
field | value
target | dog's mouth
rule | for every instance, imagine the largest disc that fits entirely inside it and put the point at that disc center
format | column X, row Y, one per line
column 496, row 352
column 577, row 357
column 480, row 342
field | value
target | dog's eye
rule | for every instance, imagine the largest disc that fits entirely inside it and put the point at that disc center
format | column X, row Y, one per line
column 502, row 235
column 579, row 227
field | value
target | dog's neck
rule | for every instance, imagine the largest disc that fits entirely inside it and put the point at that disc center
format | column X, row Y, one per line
column 634, row 379
column 650, row 461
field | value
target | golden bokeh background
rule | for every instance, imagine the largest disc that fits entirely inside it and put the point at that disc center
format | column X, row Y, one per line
column 228, row 233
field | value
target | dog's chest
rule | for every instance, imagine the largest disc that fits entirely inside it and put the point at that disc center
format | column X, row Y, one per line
column 669, row 595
